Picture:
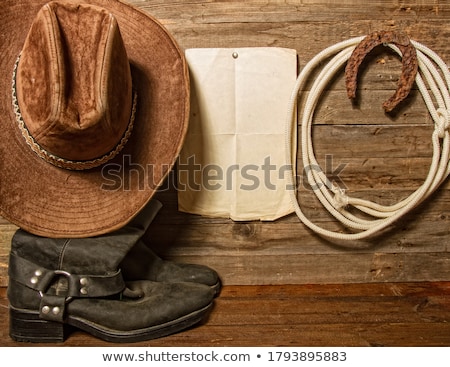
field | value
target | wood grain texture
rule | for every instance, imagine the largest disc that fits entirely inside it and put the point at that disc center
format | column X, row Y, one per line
column 379, row 314
column 377, row 156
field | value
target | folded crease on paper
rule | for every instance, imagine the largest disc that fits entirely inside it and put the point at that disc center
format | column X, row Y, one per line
column 232, row 164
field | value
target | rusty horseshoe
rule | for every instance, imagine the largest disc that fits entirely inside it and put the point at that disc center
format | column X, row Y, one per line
column 409, row 64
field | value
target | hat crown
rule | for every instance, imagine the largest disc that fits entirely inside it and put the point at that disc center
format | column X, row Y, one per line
column 73, row 82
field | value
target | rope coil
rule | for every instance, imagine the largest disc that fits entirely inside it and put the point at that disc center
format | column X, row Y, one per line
column 433, row 76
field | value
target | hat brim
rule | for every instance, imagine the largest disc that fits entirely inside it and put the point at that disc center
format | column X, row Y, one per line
column 53, row 202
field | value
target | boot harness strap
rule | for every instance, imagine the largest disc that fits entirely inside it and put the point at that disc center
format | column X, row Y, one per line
column 52, row 307
column 39, row 278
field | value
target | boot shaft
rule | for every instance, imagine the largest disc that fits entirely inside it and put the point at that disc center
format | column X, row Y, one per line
column 94, row 255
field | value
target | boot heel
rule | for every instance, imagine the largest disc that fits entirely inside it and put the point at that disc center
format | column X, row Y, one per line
column 28, row 327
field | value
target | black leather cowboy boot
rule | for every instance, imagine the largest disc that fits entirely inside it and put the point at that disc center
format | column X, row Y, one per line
column 54, row 283
column 142, row 263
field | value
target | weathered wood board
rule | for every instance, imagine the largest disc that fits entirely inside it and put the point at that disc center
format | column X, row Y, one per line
column 377, row 156
column 332, row 315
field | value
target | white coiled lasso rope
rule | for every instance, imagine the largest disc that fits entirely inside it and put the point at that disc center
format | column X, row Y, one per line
column 433, row 71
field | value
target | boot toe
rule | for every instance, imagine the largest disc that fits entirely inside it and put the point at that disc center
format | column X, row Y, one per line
column 193, row 273
column 160, row 309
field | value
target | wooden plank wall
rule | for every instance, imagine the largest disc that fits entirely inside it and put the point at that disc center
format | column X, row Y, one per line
column 382, row 157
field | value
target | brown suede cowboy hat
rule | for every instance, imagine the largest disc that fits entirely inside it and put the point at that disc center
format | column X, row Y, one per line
column 94, row 109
